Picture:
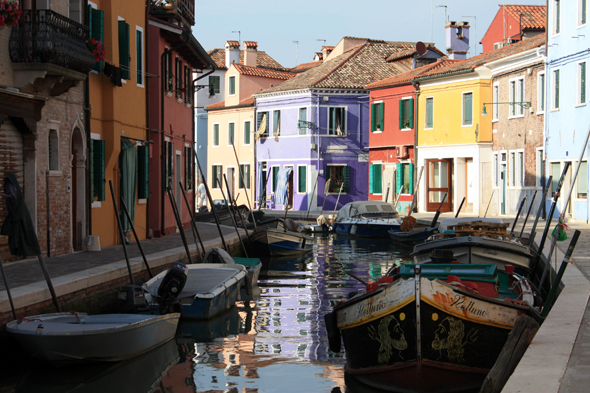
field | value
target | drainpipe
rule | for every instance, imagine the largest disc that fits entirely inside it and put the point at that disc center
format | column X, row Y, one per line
column 88, row 140
column 185, row 34
column 417, row 88
column 195, row 136
column 147, row 105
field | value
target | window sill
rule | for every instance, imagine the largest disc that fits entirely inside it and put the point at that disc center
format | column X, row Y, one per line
column 376, row 132
column 540, row 112
column 428, row 128
column 466, row 125
column 516, row 117
column 142, row 201
column 495, row 120
column 55, row 173
column 96, row 204
column 580, row 105
column 554, row 110
column 406, row 129
column 215, row 146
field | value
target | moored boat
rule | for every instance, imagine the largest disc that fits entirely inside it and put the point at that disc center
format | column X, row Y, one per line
column 413, row 236
column 429, row 328
column 367, row 219
column 275, row 242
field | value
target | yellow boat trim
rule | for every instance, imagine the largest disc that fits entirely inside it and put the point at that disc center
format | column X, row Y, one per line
column 378, row 315
column 462, row 316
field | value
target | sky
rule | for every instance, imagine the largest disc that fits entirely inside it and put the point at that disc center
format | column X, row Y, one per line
column 275, row 24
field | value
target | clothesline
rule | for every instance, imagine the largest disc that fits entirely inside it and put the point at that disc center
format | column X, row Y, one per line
column 127, row 68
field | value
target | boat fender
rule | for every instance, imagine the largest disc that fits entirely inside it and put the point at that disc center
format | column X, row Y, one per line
column 353, row 229
column 372, row 286
column 453, row 279
column 334, row 338
column 509, row 269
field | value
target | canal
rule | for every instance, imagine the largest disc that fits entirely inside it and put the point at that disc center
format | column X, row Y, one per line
column 275, row 342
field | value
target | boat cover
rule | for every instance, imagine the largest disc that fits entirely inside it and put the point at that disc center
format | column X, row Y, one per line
column 448, row 222
column 282, row 191
column 372, row 208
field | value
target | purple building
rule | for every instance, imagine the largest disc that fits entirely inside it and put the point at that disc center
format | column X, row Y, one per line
column 317, row 124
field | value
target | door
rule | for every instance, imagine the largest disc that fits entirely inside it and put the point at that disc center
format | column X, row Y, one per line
column 470, row 194
column 565, row 189
column 178, row 172
column 503, row 190
column 231, row 174
column 388, row 179
column 439, row 181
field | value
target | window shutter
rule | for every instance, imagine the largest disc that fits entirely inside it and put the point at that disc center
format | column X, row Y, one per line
column 411, row 112
column 382, row 115
column 583, row 83
column 302, row 178
column 346, row 179
column 139, row 49
column 583, row 12
column 124, row 49
column 96, row 22
column 401, row 114
column 411, row 179
column 247, row 133
column 556, row 89
column 467, row 109
column 398, row 177
column 372, row 179
column 143, row 172
column 247, row 176
column 169, row 163
column 373, row 117
column 98, row 168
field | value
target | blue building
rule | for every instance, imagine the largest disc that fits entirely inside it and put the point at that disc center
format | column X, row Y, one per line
column 567, row 118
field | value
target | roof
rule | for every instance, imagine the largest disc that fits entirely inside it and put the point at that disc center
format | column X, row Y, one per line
column 263, row 72
column 407, row 77
column 533, row 16
column 477, row 61
column 305, row 66
column 353, row 69
column 411, row 52
column 221, row 104
column 262, row 59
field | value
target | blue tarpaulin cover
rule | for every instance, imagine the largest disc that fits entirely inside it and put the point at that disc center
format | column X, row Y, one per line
column 282, row 191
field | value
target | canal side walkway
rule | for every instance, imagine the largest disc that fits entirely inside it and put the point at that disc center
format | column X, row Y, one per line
column 558, row 360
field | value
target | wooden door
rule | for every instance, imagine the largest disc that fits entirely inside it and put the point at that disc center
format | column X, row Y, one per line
column 439, row 181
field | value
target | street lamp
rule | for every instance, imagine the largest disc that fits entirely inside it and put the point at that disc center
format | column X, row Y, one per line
column 523, row 104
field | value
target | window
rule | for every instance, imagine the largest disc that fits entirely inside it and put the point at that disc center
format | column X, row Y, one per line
column 168, row 71
column 337, row 121
column 232, row 85
column 97, row 174
column 96, row 26
column 429, row 120
column 581, row 83
column 262, row 121
column 143, row 172
column 582, row 180
column 406, row 113
column 495, row 99
column 188, row 85
column 216, row 171
column 581, row 12
column 404, row 176
column 540, row 168
column 275, row 177
column 467, row 109
column 244, row 176
column 495, row 169
column 556, row 89
column 178, row 79
column 169, row 167
column 189, row 166
column 139, row 55
column 541, row 93
column 302, row 117
column 215, row 134
column 520, row 165
column 301, row 179
column 375, row 178
column 556, row 17
column 516, row 97
column 556, row 173
column 124, row 50
column 214, row 81
column 230, row 133
column 512, row 169
column 53, row 149
column 339, row 176
column 377, row 116
column 276, row 123
column 247, row 132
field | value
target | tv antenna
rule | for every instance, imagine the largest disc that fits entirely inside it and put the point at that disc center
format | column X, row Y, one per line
column 239, row 36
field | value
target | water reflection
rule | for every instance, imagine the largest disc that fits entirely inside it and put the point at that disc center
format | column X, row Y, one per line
column 274, row 342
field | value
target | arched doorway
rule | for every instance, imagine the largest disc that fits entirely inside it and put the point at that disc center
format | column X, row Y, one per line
column 78, row 188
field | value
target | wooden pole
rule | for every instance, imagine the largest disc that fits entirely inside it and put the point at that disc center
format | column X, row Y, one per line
column 244, row 183
column 193, row 224
column 233, row 218
column 121, row 235
column 416, row 188
column 147, row 266
column 8, row 290
column 528, row 212
column 179, row 223
column 338, row 199
column 461, row 206
column 518, row 214
column 312, row 193
column 490, row 201
column 541, row 205
column 435, row 219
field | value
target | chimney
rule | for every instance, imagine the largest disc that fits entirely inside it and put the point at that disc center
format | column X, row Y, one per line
column 326, row 50
column 457, row 39
column 232, row 53
column 250, row 53
column 319, row 56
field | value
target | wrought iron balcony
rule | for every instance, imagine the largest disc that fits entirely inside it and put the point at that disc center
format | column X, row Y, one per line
column 46, row 37
column 180, row 12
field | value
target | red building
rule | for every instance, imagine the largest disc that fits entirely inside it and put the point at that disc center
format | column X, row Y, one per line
column 173, row 55
column 514, row 23
column 392, row 138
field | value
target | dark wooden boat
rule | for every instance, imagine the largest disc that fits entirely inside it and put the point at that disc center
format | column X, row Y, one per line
column 429, row 328
column 280, row 240
column 413, row 236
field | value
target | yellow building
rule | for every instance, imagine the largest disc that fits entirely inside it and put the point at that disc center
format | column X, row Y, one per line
column 118, row 128
column 230, row 150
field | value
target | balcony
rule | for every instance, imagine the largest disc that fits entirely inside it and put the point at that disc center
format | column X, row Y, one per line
column 47, row 43
column 178, row 12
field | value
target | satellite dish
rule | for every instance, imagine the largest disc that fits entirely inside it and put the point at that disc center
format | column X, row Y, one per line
column 420, row 48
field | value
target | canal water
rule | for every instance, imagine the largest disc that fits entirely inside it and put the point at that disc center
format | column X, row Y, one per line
column 273, row 343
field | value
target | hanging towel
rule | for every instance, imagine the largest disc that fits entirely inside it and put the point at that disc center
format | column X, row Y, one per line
column 116, row 77
column 108, row 69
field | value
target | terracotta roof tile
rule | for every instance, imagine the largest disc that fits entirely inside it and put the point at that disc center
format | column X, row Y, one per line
column 263, row 72
column 305, row 66
column 533, row 16
column 477, row 61
column 262, row 59
column 407, row 77
column 354, row 69
column 412, row 52
column 221, row 104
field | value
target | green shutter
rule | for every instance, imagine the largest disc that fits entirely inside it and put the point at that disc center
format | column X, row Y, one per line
column 382, row 115
column 247, row 133
column 411, row 179
column 142, row 172
column 411, row 112
column 247, row 177
column 556, row 89
column 399, row 176
column 429, row 112
column 401, row 114
column 96, row 25
column 139, row 49
column 124, row 49
column 346, row 178
column 371, row 179
column 373, row 117
column 583, row 83
column 467, row 109
column 583, row 12
column 98, row 169
column 302, row 178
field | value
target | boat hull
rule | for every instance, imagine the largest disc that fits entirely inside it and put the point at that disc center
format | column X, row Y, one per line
column 366, row 228
column 415, row 236
column 104, row 338
column 277, row 242
column 423, row 338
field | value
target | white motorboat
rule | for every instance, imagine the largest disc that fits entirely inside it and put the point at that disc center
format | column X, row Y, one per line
column 367, row 219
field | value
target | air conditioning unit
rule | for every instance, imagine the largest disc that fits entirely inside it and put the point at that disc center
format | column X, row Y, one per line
column 313, row 146
column 498, row 45
column 401, row 152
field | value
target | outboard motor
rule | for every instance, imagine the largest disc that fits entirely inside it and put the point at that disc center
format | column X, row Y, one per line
column 132, row 299
column 171, row 286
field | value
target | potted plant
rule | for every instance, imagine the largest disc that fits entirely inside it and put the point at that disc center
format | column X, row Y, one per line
column 9, row 13
column 97, row 48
